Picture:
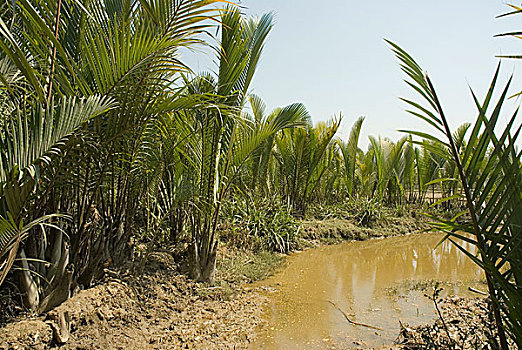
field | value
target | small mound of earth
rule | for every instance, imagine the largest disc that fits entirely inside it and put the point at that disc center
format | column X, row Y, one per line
column 159, row 310
column 469, row 326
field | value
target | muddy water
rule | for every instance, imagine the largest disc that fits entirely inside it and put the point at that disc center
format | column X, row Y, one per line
column 376, row 282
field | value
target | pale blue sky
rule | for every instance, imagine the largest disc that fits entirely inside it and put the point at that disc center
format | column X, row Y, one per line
column 331, row 56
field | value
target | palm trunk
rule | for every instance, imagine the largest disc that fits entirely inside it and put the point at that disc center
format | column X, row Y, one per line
column 30, row 292
column 202, row 266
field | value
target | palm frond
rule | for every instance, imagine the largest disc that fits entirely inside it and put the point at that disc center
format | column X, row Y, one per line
column 490, row 174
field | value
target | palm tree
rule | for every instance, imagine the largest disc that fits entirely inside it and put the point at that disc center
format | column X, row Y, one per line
column 92, row 81
column 263, row 156
column 490, row 173
column 388, row 157
column 349, row 152
column 302, row 156
column 222, row 140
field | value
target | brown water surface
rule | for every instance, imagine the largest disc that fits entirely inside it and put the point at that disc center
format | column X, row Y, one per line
column 376, row 282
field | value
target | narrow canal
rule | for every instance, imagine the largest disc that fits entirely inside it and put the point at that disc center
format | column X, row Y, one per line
column 375, row 282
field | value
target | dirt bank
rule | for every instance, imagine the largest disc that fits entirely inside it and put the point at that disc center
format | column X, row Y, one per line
column 335, row 230
column 159, row 310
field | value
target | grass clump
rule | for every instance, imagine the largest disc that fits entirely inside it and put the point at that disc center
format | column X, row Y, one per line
column 244, row 266
column 259, row 225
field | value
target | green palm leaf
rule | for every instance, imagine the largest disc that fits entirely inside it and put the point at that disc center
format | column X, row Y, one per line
column 28, row 140
column 489, row 171
column 349, row 153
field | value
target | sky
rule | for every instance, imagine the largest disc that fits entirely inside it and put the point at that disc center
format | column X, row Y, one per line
column 332, row 57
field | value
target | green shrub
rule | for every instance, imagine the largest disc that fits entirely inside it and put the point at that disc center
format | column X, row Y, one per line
column 362, row 210
column 258, row 225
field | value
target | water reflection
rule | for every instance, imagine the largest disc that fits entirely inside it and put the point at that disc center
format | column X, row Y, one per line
column 375, row 282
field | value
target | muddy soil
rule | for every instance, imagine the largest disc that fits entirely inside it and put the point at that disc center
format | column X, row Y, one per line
column 466, row 323
column 159, row 310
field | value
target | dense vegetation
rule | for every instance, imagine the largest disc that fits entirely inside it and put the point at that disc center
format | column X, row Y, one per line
column 111, row 146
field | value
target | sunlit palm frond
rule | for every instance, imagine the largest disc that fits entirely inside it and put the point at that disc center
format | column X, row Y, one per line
column 349, row 152
column 27, row 140
column 489, row 171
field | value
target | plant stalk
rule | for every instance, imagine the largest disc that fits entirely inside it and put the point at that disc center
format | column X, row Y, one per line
column 53, row 61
